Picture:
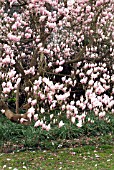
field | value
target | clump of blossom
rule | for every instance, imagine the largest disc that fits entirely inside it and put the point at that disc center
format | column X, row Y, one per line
column 59, row 56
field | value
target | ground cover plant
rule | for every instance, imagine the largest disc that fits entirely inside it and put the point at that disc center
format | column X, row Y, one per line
column 24, row 147
column 56, row 55
column 18, row 137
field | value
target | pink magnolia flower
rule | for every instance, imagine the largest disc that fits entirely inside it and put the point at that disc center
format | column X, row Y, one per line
column 29, row 100
column 42, row 18
column 50, row 64
column 31, row 110
column 9, row 85
column 14, row 38
column 99, row 2
column 51, row 116
column 15, row 14
column 79, row 124
column 11, row 73
column 88, row 8
column 103, row 80
column 63, row 107
column 84, row 80
column 70, row 3
column 33, row 102
column 6, row 90
column 23, row 120
column 61, row 62
column 99, row 89
column 42, row 110
column 6, row 60
column 29, row 115
column 59, row 69
column 36, row 117
column 3, row 111
column 62, row 97
column 111, row 104
column 73, row 119
column 35, row 88
column 43, row 126
column 48, row 127
column 61, row 124
column 14, row 27
column 27, row 35
column 91, row 82
column 3, row 84
column 89, row 72
column 26, row 89
column 37, row 123
column 102, row 114
column 53, row 88
column 112, row 78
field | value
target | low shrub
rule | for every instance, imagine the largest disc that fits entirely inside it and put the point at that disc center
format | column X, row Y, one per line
column 29, row 137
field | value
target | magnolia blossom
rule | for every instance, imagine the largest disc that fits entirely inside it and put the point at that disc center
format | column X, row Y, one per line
column 70, row 3
column 36, row 117
column 79, row 124
column 102, row 114
column 29, row 100
column 11, row 74
column 73, row 119
column 112, row 78
column 51, row 116
column 99, row 89
column 37, row 123
column 84, row 80
column 3, row 111
column 23, row 120
column 31, row 110
column 26, row 89
column 42, row 110
column 61, row 124
column 91, row 82
column 59, row 69
column 33, row 102
column 48, row 127
column 14, row 37
column 55, row 53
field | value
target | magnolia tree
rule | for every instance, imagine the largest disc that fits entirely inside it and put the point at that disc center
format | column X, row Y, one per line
column 49, row 51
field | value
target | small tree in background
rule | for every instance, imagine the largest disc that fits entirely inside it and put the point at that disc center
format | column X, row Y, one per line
column 56, row 54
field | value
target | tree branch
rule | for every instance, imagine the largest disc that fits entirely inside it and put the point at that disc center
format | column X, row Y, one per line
column 19, row 68
column 17, row 99
column 43, row 35
column 17, row 118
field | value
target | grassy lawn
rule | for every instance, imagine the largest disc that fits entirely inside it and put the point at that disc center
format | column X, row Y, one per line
column 79, row 158
column 69, row 148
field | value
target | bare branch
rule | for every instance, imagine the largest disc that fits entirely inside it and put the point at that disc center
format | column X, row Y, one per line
column 17, row 99
column 17, row 118
column 19, row 68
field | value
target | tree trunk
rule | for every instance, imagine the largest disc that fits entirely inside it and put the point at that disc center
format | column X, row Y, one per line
column 17, row 118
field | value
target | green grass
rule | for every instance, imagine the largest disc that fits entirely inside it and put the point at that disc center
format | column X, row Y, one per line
column 79, row 158
column 70, row 148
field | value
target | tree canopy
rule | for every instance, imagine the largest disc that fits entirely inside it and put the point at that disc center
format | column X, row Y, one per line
column 56, row 54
